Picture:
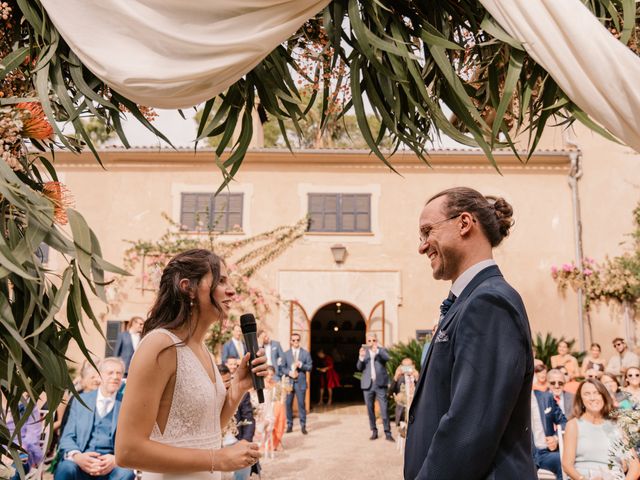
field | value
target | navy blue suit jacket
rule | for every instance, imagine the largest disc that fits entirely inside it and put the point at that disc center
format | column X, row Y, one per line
column 471, row 414
column 229, row 350
column 245, row 412
column 550, row 412
column 307, row 364
column 124, row 349
column 77, row 430
column 380, row 364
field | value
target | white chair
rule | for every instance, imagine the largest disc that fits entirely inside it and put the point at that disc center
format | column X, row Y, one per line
column 560, row 433
column 546, row 475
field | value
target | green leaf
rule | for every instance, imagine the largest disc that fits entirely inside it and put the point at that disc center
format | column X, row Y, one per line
column 13, row 61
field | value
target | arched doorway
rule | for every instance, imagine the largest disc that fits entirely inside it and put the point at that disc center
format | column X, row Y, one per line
column 339, row 329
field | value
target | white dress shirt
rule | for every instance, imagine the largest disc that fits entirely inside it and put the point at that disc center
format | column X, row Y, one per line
column 135, row 340
column 104, row 405
column 267, row 352
column 372, row 355
column 239, row 347
column 465, row 278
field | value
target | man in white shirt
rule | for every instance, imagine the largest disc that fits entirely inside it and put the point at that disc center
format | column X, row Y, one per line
column 87, row 441
column 235, row 346
column 372, row 362
column 564, row 399
column 127, row 342
column 623, row 359
column 471, row 412
column 273, row 351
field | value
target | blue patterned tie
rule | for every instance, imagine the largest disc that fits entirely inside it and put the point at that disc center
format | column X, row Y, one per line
column 446, row 305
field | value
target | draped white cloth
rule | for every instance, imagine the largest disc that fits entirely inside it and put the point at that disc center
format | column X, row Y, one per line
column 175, row 53
column 596, row 71
column 179, row 53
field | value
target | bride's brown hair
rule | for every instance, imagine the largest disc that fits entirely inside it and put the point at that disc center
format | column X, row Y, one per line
column 173, row 305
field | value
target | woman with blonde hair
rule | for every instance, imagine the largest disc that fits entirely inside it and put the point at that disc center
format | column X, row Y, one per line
column 176, row 404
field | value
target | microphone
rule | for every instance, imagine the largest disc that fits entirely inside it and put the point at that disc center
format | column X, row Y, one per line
column 249, row 331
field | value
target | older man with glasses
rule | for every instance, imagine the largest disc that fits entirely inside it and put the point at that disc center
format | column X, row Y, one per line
column 624, row 359
column 556, row 380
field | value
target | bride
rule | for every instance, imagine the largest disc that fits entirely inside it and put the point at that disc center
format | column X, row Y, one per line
column 175, row 403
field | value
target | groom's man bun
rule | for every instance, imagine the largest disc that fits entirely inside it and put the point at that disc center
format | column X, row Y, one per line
column 494, row 214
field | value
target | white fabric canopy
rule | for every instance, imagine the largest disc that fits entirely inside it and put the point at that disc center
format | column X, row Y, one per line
column 179, row 53
column 175, row 53
column 596, row 71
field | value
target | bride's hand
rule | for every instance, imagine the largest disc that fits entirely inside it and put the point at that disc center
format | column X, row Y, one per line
column 243, row 376
column 237, row 456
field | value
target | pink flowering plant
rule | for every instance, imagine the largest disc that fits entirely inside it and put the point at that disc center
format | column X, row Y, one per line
column 245, row 257
column 615, row 279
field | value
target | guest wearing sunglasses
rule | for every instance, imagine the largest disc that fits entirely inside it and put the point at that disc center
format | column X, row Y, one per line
column 633, row 385
column 619, row 363
column 556, row 382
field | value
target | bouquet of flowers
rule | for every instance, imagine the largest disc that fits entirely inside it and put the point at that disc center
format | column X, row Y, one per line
column 628, row 421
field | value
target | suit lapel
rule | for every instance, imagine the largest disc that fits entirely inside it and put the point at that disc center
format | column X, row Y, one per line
column 488, row 272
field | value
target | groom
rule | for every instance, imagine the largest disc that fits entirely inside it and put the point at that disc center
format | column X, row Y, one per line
column 471, row 416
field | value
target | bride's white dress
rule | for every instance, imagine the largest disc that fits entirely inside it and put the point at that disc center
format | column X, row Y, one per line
column 194, row 415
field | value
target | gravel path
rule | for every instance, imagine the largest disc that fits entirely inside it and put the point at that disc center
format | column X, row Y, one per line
column 336, row 448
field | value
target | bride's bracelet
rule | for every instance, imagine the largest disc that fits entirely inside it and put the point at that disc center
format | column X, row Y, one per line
column 212, row 457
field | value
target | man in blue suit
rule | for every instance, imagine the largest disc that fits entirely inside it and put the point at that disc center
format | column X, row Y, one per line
column 296, row 363
column 127, row 342
column 546, row 417
column 273, row 352
column 374, row 382
column 235, row 346
column 87, row 441
column 471, row 413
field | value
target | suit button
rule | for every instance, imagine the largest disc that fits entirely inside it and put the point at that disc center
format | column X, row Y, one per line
column 411, row 418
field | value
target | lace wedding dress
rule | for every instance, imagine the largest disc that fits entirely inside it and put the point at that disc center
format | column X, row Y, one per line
column 194, row 415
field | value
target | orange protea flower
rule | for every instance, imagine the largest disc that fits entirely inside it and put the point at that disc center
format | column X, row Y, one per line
column 62, row 199
column 34, row 122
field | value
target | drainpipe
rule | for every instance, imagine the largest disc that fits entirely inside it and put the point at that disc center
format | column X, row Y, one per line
column 574, row 175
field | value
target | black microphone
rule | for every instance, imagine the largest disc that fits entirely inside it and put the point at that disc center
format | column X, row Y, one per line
column 249, row 330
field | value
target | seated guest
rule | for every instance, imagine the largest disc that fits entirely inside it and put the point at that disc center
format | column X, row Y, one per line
column 87, row 441
column 29, row 440
column 565, row 359
column 593, row 361
column 540, row 378
column 403, row 385
column 632, row 385
column 556, row 386
column 623, row 359
column 546, row 417
column 570, row 384
column 620, row 398
column 592, row 436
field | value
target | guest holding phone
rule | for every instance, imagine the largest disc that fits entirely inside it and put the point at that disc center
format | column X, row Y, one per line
column 372, row 362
